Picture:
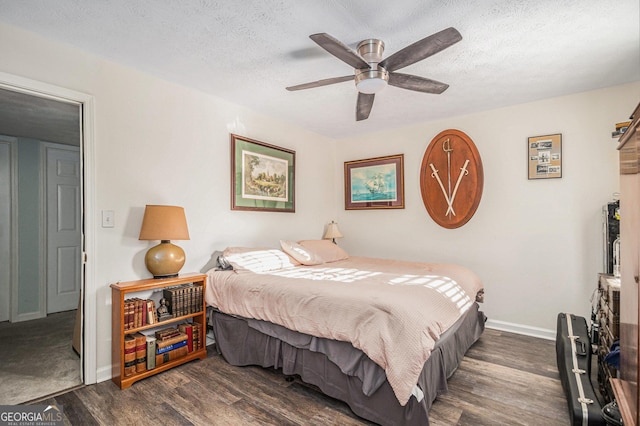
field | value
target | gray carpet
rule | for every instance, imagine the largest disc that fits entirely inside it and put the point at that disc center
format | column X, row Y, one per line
column 36, row 358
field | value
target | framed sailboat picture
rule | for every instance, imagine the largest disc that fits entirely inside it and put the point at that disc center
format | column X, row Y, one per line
column 374, row 183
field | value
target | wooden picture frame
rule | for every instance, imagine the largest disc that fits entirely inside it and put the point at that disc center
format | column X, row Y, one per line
column 544, row 156
column 374, row 183
column 262, row 176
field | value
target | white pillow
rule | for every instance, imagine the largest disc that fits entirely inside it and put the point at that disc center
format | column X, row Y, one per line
column 325, row 250
column 257, row 260
column 299, row 253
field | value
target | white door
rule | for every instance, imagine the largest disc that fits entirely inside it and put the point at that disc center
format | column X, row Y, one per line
column 5, row 229
column 63, row 227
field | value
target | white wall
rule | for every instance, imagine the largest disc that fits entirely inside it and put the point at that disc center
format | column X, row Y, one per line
column 536, row 244
column 160, row 143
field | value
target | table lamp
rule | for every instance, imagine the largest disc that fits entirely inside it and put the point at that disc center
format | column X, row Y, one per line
column 164, row 223
column 332, row 232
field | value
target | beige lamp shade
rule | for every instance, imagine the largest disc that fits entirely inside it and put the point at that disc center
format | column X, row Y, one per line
column 164, row 223
column 332, row 232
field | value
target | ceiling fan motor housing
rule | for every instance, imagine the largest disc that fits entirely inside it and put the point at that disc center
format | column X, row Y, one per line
column 371, row 50
column 371, row 80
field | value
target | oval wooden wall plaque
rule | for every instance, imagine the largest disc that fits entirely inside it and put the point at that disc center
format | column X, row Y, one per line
column 451, row 178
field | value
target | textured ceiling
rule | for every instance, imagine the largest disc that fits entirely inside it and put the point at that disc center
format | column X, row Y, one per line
column 44, row 119
column 512, row 51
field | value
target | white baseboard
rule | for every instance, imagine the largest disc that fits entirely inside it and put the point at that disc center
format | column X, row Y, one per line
column 29, row 316
column 526, row 330
column 103, row 374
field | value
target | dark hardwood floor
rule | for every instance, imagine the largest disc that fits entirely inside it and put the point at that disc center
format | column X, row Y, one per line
column 505, row 379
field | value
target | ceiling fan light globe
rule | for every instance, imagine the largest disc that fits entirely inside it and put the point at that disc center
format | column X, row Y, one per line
column 371, row 81
column 371, row 85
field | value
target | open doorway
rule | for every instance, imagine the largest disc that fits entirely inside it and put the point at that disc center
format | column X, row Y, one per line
column 41, row 245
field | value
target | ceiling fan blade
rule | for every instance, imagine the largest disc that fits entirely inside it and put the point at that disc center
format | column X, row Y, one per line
column 364, row 105
column 339, row 50
column 419, row 84
column 421, row 49
column 320, row 83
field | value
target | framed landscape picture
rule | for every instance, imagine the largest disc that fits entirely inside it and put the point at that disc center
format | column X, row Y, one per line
column 374, row 183
column 262, row 176
column 544, row 156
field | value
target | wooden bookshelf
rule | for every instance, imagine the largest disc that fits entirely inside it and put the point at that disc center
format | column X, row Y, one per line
column 122, row 291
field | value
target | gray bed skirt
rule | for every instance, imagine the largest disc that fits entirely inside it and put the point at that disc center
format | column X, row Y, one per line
column 243, row 343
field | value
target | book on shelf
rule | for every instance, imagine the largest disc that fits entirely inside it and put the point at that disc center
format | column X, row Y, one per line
column 128, row 315
column 197, row 299
column 135, row 313
column 172, row 302
column 142, row 312
column 171, row 347
column 175, row 339
column 197, row 333
column 202, row 336
column 171, row 355
column 132, row 314
column 152, row 315
column 139, row 312
column 166, row 333
column 184, row 299
column 187, row 329
column 141, row 352
column 151, row 352
column 129, row 355
column 194, row 336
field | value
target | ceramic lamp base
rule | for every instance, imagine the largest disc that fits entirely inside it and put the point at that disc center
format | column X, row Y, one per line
column 164, row 260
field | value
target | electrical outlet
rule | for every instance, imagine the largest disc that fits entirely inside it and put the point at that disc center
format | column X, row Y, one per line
column 108, row 219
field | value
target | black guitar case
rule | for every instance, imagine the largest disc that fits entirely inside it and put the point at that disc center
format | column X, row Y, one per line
column 573, row 351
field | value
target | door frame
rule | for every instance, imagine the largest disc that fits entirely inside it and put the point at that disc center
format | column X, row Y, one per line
column 88, row 343
column 13, row 214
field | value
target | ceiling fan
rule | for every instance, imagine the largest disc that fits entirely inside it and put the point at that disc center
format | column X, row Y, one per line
column 372, row 73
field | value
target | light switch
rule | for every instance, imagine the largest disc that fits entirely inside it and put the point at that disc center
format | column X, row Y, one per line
column 108, row 219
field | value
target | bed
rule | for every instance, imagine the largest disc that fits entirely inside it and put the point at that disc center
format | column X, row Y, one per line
column 381, row 335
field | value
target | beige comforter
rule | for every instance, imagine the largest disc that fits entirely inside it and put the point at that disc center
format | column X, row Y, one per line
column 394, row 311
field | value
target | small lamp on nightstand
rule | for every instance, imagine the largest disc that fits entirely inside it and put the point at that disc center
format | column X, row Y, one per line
column 332, row 232
column 164, row 223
